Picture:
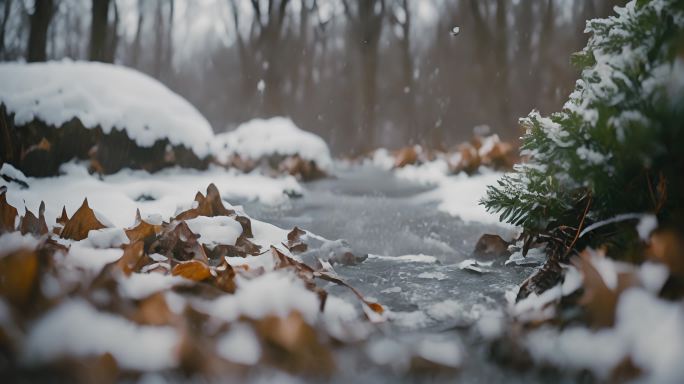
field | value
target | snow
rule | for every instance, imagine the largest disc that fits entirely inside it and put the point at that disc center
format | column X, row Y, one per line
column 460, row 195
column 215, row 230
column 76, row 329
column 8, row 170
column 444, row 352
column 106, row 238
column 261, row 138
column 276, row 293
column 106, row 96
column 141, row 285
column 90, row 259
column 647, row 224
column 649, row 330
column 240, row 345
column 14, row 241
column 115, row 196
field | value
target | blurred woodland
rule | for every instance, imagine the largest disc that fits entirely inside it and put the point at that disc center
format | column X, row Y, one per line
column 360, row 73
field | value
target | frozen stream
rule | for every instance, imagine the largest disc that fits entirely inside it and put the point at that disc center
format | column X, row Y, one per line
column 378, row 215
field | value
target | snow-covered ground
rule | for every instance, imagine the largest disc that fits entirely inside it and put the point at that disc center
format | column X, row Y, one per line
column 260, row 138
column 163, row 193
column 458, row 195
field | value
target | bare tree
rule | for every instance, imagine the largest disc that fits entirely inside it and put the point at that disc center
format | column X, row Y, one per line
column 98, row 30
column 135, row 54
column 365, row 21
column 5, row 16
column 40, row 21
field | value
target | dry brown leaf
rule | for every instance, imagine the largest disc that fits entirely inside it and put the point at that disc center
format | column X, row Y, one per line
column 82, row 222
column 598, row 300
column 405, row 156
column 225, row 277
column 8, row 214
column 179, row 242
column 667, row 247
column 32, row 224
column 18, row 276
column 209, row 206
column 153, row 310
column 143, row 230
column 491, row 247
column 294, row 345
column 133, row 258
column 193, row 270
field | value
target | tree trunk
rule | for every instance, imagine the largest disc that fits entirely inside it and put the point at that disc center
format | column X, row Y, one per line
column 158, row 39
column 113, row 35
column 135, row 55
column 98, row 30
column 5, row 17
column 40, row 21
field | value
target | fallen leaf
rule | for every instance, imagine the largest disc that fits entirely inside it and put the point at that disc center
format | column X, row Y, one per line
column 667, row 246
column 405, row 156
column 133, row 258
column 18, row 276
column 294, row 345
column 143, row 230
column 193, row 270
column 82, row 222
column 32, row 224
column 8, row 214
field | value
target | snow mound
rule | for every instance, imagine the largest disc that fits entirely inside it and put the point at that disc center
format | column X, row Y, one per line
column 260, row 138
column 104, row 95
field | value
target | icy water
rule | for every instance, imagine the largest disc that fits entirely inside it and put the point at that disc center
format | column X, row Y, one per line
column 377, row 214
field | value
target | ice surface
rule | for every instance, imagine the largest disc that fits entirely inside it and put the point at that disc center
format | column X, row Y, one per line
column 104, row 95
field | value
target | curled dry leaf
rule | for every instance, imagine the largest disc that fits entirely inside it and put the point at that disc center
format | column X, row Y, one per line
column 193, row 270
column 8, row 214
column 82, row 222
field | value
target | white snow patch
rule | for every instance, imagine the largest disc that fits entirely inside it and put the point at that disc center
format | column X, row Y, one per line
column 141, row 285
column 104, row 95
column 260, row 138
column 14, row 241
column 77, row 329
column 215, row 230
column 90, row 259
column 276, row 293
column 240, row 345
column 106, row 238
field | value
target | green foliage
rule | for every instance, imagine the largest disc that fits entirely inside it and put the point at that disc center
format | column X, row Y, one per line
column 616, row 147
